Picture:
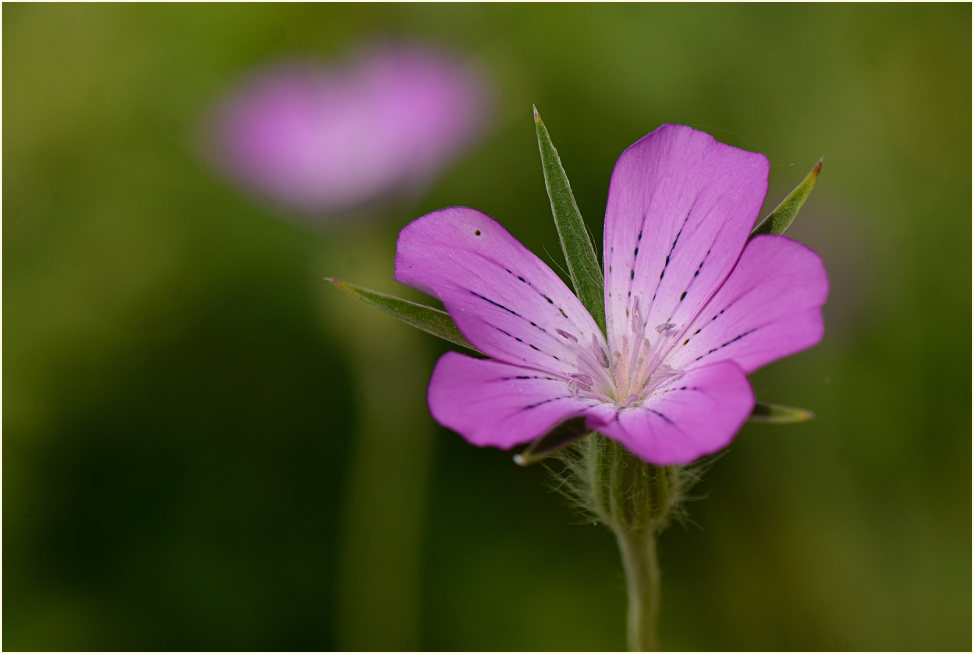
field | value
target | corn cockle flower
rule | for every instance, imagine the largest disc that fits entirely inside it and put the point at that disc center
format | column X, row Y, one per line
column 692, row 306
column 326, row 139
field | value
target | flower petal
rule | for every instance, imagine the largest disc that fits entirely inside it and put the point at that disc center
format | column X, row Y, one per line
column 680, row 209
column 694, row 415
column 493, row 403
column 768, row 308
column 503, row 298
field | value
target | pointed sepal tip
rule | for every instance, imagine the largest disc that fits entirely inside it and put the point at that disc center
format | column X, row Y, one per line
column 576, row 243
column 778, row 414
column 785, row 213
column 428, row 319
column 558, row 438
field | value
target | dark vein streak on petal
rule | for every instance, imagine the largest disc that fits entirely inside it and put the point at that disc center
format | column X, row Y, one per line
column 551, row 399
column 521, row 341
column 673, row 247
column 523, row 377
column 496, row 304
column 664, row 417
column 733, row 340
column 697, row 271
column 536, row 290
column 721, row 312
column 635, row 254
column 693, row 279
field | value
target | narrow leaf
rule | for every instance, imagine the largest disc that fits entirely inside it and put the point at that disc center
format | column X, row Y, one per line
column 563, row 435
column 784, row 214
column 430, row 320
column 583, row 264
column 778, row 414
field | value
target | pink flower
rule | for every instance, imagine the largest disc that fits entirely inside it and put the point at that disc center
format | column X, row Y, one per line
column 692, row 307
column 329, row 139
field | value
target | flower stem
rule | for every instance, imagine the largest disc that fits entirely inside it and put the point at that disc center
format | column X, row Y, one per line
column 379, row 606
column 638, row 549
column 637, row 501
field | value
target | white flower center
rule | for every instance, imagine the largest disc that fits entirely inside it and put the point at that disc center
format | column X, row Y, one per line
column 625, row 377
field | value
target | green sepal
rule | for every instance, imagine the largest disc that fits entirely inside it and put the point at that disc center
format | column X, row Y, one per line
column 784, row 214
column 429, row 319
column 777, row 414
column 583, row 264
column 563, row 435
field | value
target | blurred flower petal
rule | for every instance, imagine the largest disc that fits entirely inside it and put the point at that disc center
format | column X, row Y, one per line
column 328, row 139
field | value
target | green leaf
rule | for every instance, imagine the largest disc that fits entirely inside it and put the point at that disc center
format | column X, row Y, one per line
column 784, row 214
column 561, row 436
column 430, row 320
column 583, row 264
column 777, row 414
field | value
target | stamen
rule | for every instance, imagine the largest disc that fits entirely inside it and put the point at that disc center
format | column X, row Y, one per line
column 635, row 354
column 637, row 319
column 645, row 361
column 582, row 381
column 564, row 334
column 623, row 378
column 667, row 372
column 573, row 387
column 599, row 353
column 582, row 378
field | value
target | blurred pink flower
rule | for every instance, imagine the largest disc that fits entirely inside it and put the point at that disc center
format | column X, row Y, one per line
column 327, row 139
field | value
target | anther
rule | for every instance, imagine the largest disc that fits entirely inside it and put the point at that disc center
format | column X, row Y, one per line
column 637, row 319
column 599, row 353
column 582, row 380
column 564, row 334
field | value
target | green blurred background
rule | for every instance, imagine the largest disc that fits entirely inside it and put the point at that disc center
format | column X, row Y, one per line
column 207, row 447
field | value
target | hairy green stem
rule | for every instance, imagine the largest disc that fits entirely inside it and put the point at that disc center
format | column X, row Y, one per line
column 636, row 500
